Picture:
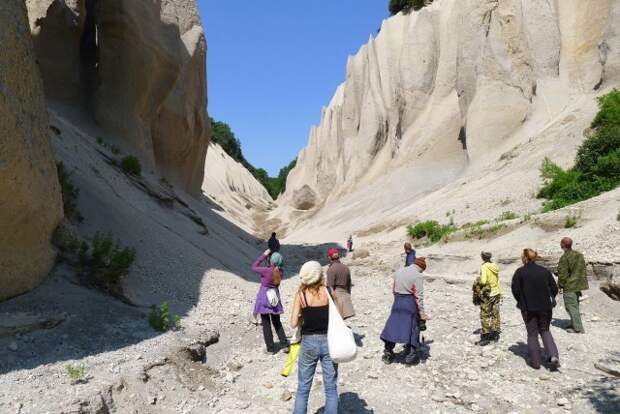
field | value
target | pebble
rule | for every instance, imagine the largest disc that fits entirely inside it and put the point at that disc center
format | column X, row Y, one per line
column 286, row 395
column 13, row 346
column 562, row 401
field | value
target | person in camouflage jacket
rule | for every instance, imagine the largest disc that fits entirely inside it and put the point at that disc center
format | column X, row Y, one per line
column 572, row 279
column 487, row 293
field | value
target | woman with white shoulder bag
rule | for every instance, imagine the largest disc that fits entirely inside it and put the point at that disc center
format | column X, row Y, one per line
column 324, row 338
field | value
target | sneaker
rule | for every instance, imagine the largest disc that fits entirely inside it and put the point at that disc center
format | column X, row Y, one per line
column 270, row 351
column 554, row 363
column 412, row 359
column 573, row 330
column 388, row 357
column 286, row 348
column 529, row 364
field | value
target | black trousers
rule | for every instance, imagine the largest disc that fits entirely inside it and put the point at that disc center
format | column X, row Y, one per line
column 268, row 320
column 537, row 323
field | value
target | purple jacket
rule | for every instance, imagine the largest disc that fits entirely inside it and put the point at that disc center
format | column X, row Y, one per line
column 265, row 272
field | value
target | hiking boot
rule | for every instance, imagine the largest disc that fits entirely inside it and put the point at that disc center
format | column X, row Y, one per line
column 531, row 365
column 495, row 337
column 412, row 358
column 485, row 339
column 270, row 351
column 573, row 330
column 388, row 357
column 554, row 363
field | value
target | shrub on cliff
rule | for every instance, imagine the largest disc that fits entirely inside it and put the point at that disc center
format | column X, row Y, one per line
column 431, row 230
column 131, row 165
column 105, row 263
column 597, row 165
column 397, row 6
column 69, row 192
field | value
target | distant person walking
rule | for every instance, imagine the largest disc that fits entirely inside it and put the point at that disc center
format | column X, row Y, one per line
column 268, row 304
column 572, row 279
column 407, row 314
column 311, row 312
column 350, row 243
column 273, row 243
column 490, row 295
column 409, row 254
column 339, row 283
column 534, row 289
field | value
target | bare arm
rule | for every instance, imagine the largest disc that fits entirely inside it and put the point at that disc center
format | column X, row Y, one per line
column 294, row 322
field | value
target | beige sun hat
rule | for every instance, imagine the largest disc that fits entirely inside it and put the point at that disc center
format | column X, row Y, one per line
column 311, row 272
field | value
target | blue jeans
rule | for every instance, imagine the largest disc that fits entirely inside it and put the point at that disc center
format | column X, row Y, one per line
column 313, row 349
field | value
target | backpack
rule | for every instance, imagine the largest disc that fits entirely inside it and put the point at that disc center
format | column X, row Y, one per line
column 276, row 276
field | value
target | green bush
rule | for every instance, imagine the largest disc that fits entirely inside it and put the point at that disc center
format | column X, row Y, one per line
column 477, row 231
column 131, row 165
column 597, row 164
column 507, row 215
column 431, row 230
column 106, row 262
column 69, row 193
column 571, row 221
column 77, row 373
column 160, row 318
column 396, row 6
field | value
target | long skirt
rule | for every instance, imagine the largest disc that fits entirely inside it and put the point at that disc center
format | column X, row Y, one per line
column 342, row 300
column 402, row 326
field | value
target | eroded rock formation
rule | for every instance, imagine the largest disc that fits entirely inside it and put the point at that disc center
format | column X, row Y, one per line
column 139, row 68
column 30, row 202
column 441, row 88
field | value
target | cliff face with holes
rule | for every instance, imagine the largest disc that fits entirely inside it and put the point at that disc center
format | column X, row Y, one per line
column 138, row 69
column 441, row 90
column 30, row 203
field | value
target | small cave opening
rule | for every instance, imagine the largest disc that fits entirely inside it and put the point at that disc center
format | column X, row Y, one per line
column 89, row 51
column 463, row 137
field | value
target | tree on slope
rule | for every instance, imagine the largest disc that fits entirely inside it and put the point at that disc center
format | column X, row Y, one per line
column 397, row 6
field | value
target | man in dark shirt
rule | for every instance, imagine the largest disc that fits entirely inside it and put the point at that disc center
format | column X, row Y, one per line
column 273, row 243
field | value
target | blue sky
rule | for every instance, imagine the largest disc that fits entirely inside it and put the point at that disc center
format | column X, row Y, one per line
column 272, row 65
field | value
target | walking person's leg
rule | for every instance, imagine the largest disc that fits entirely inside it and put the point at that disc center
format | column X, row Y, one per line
column 571, row 303
column 308, row 358
column 277, row 324
column 533, row 346
column 496, row 325
column 267, row 334
column 551, row 349
column 388, row 351
column 330, row 380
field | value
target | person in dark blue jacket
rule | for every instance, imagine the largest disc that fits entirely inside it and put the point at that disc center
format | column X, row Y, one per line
column 409, row 254
column 273, row 243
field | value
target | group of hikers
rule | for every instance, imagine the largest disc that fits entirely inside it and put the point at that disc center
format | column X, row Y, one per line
column 533, row 287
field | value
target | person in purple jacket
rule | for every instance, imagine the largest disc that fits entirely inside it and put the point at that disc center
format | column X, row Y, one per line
column 268, row 304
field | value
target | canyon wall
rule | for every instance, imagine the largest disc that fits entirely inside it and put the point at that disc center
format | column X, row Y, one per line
column 138, row 68
column 443, row 89
column 30, row 201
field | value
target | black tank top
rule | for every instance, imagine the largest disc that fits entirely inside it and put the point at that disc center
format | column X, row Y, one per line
column 316, row 319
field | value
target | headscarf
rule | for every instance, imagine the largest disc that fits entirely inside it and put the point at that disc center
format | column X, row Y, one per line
column 276, row 259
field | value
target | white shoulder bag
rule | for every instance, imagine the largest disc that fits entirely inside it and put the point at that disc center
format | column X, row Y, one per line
column 272, row 297
column 340, row 339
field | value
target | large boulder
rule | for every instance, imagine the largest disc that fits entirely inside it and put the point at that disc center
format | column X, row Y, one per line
column 30, row 201
column 139, row 67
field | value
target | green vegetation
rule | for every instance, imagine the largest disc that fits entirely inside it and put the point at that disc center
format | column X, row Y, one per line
column 431, row 230
column 222, row 134
column 106, row 262
column 131, row 165
column 77, row 373
column 507, row 215
column 161, row 320
column 478, row 231
column 69, row 192
column 571, row 221
column 396, row 6
column 113, row 148
column 597, row 165
column 618, row 216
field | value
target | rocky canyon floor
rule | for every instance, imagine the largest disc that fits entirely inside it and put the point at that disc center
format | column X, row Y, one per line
column 129, row 369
